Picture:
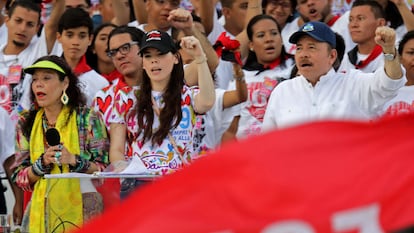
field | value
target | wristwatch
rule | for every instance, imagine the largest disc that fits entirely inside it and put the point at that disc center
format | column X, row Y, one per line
column 390, row 56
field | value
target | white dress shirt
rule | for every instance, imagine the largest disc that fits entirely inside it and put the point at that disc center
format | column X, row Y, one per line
column 351, row 96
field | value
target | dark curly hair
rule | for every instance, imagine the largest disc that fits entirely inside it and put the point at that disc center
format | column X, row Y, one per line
column 92, row 58
column 76, row 97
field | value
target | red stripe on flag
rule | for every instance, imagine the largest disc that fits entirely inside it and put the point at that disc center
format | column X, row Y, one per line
column 320, row 177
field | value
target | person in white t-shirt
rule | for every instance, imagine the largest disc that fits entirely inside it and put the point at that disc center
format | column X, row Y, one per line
column 234, row 11
column 7, row 150
column 309, row 10
column 320, row 93
column 267, row 66
column 398, row 15
column 23, row 23
column 75, row 35
column 403, row 103
column 365, row 16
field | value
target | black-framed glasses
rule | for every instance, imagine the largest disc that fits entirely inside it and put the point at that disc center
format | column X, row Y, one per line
column 123, row 49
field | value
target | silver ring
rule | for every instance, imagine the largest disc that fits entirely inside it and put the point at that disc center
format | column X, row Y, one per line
column 60, row 147
column 58, row 154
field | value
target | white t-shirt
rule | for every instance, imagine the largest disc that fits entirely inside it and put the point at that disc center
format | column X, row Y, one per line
column 341, row 27
column 217, row 121
column 352, row 96
column 224, row 70
column 3, row 34
column 287, row 31
column 158, row 159
column 259, row 88
column 402, row 103
column 346, row 64
column 7, row 132
column 217, row 29
column 90, row 83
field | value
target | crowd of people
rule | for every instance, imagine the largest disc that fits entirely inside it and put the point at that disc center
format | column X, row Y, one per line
column 167, row 81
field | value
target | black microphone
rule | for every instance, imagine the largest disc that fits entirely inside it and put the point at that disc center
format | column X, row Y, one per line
column 53, row 139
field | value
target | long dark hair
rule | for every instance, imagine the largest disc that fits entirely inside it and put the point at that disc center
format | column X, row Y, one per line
column 92, row 58
column 170, row 114
column 252, row 57
column 76, row 97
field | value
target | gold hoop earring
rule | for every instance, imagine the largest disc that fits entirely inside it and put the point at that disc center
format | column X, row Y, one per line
column 64, row 98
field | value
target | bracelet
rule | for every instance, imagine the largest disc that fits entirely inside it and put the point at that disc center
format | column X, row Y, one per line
column 36, row 171
column 39, row 169
column 201, row 60
column 82, row 165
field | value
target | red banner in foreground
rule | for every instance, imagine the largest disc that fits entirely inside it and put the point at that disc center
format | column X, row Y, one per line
column 320, row 177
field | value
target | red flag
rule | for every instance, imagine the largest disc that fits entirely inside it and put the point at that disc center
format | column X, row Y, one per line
column 319, row 177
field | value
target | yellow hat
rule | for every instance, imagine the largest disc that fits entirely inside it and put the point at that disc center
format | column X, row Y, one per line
column 44, row 65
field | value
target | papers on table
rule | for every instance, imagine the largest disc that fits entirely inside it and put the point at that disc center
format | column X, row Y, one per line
column 135, row 169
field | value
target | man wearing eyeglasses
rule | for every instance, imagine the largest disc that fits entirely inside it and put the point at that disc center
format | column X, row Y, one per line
column 123, row 47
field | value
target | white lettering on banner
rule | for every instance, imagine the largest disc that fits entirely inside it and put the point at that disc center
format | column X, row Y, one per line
column 292, row 226
column 364, row 219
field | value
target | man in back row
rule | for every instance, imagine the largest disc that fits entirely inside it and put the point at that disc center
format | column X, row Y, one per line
column 321, row 93
column 23, row 22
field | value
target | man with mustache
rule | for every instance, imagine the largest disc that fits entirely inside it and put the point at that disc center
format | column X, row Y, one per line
column 320, row 93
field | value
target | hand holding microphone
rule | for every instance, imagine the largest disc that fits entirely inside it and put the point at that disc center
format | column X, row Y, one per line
column 58, row 154
column 53, row 139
